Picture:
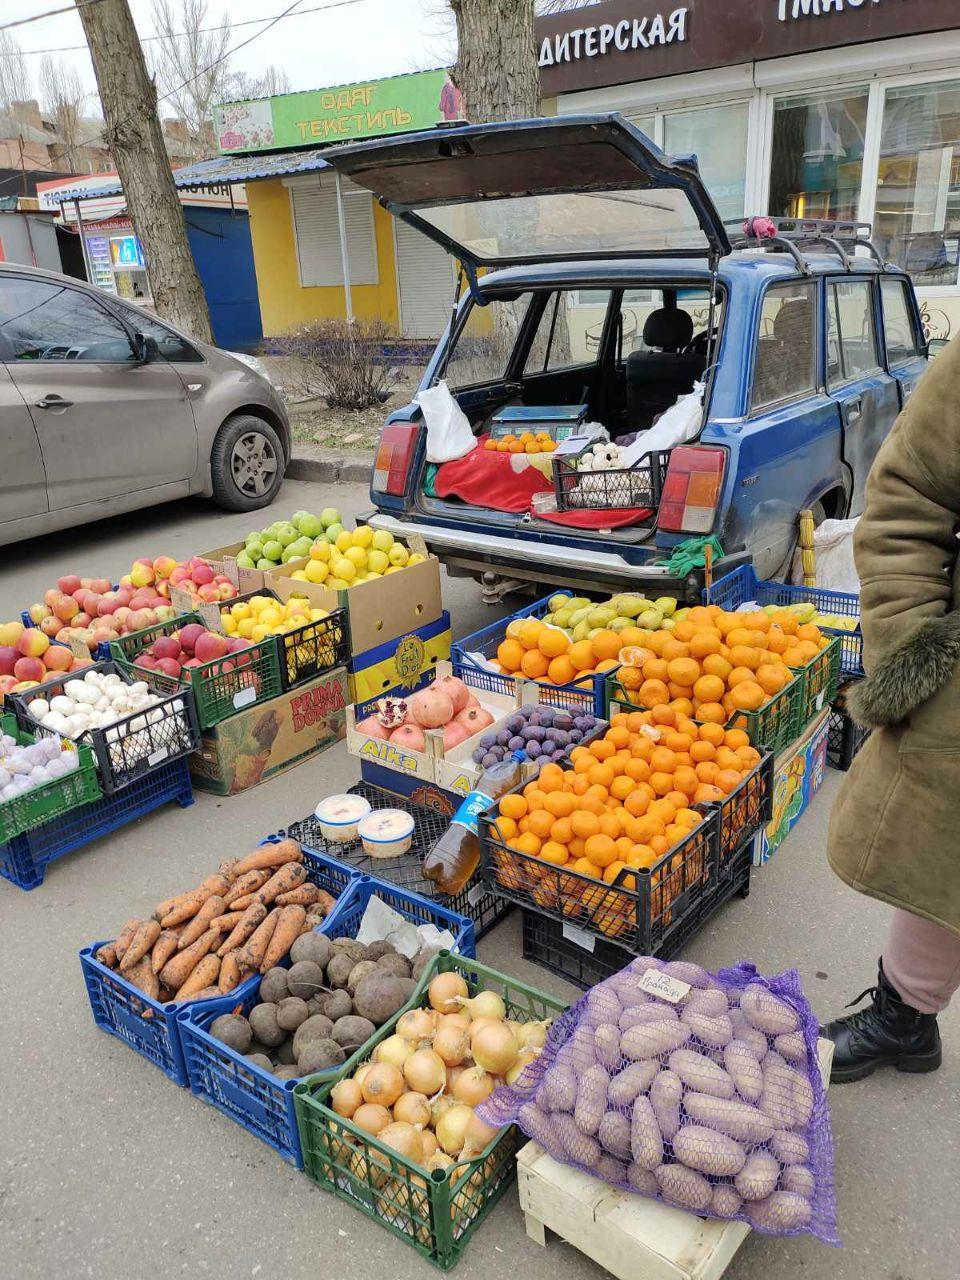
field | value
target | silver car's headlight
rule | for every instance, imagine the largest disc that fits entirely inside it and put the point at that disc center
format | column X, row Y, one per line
column 252, row 362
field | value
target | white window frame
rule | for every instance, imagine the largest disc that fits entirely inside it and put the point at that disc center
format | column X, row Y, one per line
column 325, row 182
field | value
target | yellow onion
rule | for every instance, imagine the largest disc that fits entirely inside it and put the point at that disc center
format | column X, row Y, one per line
column 447, row 992
column 383, row 1083
column 533, row 1035
column 477, row 1136
column 412, row 1108
column 460, row 1019
column 430, row 1144
column 439, row 1106
column 395, row 1050
column 495, row 1049
column 452, row 1127
column 403, row 1138
column 345, row 1097
column 452, row 1044
column 425, row 1072
column 524, row 1058
column 417, row 1024
column 361, row 1072
column 473, row 1086
column 453, row 1075
column 439, row 1160
column 485, row 1005
column 371, row 1117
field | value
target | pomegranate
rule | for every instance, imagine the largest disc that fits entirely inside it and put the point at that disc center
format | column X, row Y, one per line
column 392, row 712
column 455, row 690
column 430, row 708
column 372, row 727
column 453, row 734
column 409, row 736
column 474, row 719
column 472, row 701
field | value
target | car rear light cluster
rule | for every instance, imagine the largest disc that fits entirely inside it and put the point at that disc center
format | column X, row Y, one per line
column 391, row 467
column 691, row 490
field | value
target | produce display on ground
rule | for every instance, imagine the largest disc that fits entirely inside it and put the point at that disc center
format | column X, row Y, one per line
column 354, row 556
column 27, row 658
column 446, row 704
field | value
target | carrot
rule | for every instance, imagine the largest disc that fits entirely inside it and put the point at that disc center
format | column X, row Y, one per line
column 242, row 930
column 124, row 937
column 226, row 868
column 107, row 954
column 204, row 974
column 164, row 947
column 140, row 944
column 270, row 855
column 229, row 972
column 226, row 922
column 252, row 954
column 303, row 896
column 143, row 978
column 208, row 993
column 176, row 971
column 326, row 902
column 244, row 885
column 289, row 923
column 290, row 876
column 201, row 921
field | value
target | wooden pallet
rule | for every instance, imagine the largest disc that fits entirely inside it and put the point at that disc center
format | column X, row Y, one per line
column 628, row 1235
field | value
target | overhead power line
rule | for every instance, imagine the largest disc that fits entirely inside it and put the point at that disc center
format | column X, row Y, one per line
column 49, row 13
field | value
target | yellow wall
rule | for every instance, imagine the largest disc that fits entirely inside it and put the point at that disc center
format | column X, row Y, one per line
column 284, row 303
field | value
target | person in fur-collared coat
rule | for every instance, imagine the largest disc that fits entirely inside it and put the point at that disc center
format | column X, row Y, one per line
column 895, row 828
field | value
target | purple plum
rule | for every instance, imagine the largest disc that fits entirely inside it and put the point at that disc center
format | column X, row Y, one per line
column 489, row 760
column 574, row 737
column 534, row 733
column 563, row 720
column 503, row 738
column 488, row 740
column 516, row 723
column 533, row 751
column 516, row 743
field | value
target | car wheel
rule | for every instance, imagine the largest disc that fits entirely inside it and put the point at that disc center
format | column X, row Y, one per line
column 246, row 464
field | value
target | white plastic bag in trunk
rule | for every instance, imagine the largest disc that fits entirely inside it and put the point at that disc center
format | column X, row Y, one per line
column 448, row 429
column 680, row 423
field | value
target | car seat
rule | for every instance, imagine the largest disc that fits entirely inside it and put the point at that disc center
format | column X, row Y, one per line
column 784, row 359
column 657, row 377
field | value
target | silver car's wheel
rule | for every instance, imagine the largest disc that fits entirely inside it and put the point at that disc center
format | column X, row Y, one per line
column 246, row 463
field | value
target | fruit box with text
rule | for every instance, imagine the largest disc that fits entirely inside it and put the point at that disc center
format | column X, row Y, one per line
column 266, row 740
column 224, row 560
column 797, row 774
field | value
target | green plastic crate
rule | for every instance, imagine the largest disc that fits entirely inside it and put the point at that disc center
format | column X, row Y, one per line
column 49, row 801
column 221, row 688
column 435, row 1212
column 819, row 681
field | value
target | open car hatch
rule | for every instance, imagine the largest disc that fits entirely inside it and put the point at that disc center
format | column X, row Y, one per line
column 571, row 187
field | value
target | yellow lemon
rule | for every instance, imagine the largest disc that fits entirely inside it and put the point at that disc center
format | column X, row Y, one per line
column 398, row 555
column 382, row 540
column 344, row 540
column 316, row 571
column 321, row 551
column 344, row 569
column 357, row 555
column 377, row 561
column 338, row 584
column 362, row 537
column 416, row 558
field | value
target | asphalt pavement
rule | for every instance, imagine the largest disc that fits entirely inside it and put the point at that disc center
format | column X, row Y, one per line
column 107, row 1169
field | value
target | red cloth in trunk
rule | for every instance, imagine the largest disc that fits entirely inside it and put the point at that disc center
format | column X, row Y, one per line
column 600, row 518
column 485, row 478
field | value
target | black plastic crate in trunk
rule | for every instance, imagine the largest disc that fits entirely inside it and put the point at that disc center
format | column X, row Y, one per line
column 844, row 736
column 475, row 900
column 133, row 746
column 638, row 486
column 309, row 650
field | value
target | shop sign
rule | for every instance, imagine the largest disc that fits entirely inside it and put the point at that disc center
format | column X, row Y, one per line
column 625, row 35
column 789, row 10
column 397, row 104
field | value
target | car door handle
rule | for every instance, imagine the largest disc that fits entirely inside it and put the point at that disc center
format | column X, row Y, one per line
column 853, row 408
column 52, row 401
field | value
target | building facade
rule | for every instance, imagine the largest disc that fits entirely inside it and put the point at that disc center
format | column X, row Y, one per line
column 797, row 108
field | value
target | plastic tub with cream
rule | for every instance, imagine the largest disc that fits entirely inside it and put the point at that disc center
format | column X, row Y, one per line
column 386, row 833
column 339, row 817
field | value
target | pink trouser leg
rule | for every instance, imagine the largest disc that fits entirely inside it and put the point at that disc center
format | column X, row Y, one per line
column 922, row 962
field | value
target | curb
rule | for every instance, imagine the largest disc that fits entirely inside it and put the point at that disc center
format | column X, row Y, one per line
column 327, row 467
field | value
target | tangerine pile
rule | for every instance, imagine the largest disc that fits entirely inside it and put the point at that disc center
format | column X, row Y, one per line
column 714, row 664
column 540, row 651
column 542, row 442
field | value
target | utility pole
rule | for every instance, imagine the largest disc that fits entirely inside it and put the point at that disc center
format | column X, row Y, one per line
column 133, row 134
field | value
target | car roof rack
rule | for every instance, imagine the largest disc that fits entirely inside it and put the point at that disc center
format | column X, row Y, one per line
column 795, row 236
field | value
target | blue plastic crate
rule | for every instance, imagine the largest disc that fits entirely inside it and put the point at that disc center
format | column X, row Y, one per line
column 255, row 1098
column 24, row 859
column 736, row 588
column 485, row 642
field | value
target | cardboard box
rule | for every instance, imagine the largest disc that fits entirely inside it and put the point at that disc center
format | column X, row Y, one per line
column 224, row 560
column 382, row 610
column 797, row 775
column 268, row 739
column 399, row 666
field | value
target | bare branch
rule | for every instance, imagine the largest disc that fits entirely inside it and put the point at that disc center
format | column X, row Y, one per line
column 188, row 65
column 64, row 99
column 15, row 83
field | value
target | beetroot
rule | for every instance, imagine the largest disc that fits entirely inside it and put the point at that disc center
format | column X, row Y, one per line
column 431, row 709
column 372, row 727
column 409, row 736
column 454, row 688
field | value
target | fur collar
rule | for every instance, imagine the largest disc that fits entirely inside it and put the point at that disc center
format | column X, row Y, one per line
column 909, row 675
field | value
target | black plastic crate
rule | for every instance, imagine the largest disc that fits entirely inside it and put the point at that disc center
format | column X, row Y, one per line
column 310, row 650
column 637, row 486
column 134, row 746
column 584, row 960
column 844, row 736
column 747, row 808
column 475, row 901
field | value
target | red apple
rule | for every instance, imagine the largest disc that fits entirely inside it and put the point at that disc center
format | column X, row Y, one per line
column 179, row 575
column 147, row 661
column 52, row 626
column 209, row 646
column 37, row 613
column 166, row 647
column 32, row 644
column 66, row 608
column 58, row 658
column 208, row 593
column 202, row 574
column 163, row 566
column 9, row 656
column 51, row 597
column 8, row 683
column 101, row 586
column 169, row 667
column 190, row 634
column 82, row 620
column 125, row 595
column 29, row 669
column 108, row 604
column 69, row 585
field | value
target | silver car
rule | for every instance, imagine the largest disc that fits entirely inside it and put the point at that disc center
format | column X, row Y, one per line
column 106, row 409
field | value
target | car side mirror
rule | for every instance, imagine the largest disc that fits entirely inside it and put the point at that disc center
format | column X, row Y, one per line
column 145, row 348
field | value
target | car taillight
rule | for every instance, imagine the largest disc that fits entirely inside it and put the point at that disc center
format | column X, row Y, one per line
column 398, row 442
column 691, row 490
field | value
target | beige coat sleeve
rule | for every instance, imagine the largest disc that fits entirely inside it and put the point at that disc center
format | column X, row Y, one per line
column 906, row 552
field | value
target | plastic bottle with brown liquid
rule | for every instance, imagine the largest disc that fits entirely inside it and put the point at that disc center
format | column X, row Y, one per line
column 456, row 855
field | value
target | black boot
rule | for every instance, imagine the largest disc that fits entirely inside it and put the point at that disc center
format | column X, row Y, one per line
column 888, row 1033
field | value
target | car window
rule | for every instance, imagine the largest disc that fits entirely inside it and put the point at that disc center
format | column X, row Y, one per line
column 898, row 330
column 786, row 365
column 569, row 331
column 851, row 331
column 641, row 333
column 172, row 348
column 43, row 320
column 485, row 343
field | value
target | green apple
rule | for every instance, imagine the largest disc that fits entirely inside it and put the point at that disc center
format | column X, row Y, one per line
column 286, row 534
column 266, row 564
column 246, row 561
column 377, row 561
column 272, row 551
column 329, row 516
column 300, row 548
column 310, row 526
column 332, row 531
column 382, row 540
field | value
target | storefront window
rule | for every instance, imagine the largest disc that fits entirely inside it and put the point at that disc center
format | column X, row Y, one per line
column 917, row 219
column 817, row 157
column 717, row 136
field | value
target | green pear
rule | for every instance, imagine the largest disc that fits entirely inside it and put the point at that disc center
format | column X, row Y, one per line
column 582, row 630
column 561, row 618
column 595, row 631
column 558, row 602
column 651, row 619
column 629, row 606
column 770, row 608
column 579, row 602
column 620, row 624
column 578, row 616
column 668, row 624
column 667, row 605
column 681, row 614
column 601, row 617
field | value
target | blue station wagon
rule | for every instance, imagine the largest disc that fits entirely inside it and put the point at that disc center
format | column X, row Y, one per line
column 602, row 285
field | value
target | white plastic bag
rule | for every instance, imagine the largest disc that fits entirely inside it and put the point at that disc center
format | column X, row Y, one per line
column 680, row 423
column 833, row 545
column 448, row 429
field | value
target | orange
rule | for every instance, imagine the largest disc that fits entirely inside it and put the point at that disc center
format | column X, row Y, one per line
column 676, row 741
column 490, row 443
column 581, row 655
column 655, row 669
column 524, row 825
column 704, row 644
column 561, row 670
column 636, row 770
column 727, row 779
column 539, row 823
column 532, row 447
column 641, row 856
column 776, row 640
column 631, row 679
column 809, row 631
column 713, row 734
column 513, row 807
column 809, row 649
column 788, row 622
column 745, row 655
column 508, row 828
column 735, row 738
column 647, row 829
column 584, row 866
column 576, row 847
column 653, row 692
column 534, row 665
column 748, row 696
column 664, row 809
column 605, row 644
column 550, row 778
column 601, row 850
column 701, row 615
column 683, row 671
column 660, row 845
column 637, row 803
column 510, row 655
column 685, row 780
column 680, row 692
column 602, row 749
column 528, row 632
column 701, row 751
column 749, row 757
column 610, row 824
column 738, row 675
column 552, row 642
column 707, row 771
column 709, row 689
column 707, row 794
column 584, row 763
column 663, row 760
column 740, row 636
column 656, row 640
column 661, row 782
column 618, row 734
column 633, row 638
column 553, row 852
column 712, row 713
column 601, row 775
column 584, row 824
column 642, row 748
column 559, row 804
column 715, row 664
column 689, row 818
column 727, row 758
column 562, row 831
column 621, row 787
column 663, row 715
column 610, row 873
column 672, row 649
column 536, row 799
column 527, row 843
column 683, row 706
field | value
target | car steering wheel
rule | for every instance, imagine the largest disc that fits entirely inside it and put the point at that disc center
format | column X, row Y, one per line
column 698, row 343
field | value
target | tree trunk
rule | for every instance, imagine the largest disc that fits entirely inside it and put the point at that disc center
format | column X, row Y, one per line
column 497, row 69
column 133, row 134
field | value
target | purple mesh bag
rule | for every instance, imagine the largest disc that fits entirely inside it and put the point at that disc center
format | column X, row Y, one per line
column 701, row 1090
